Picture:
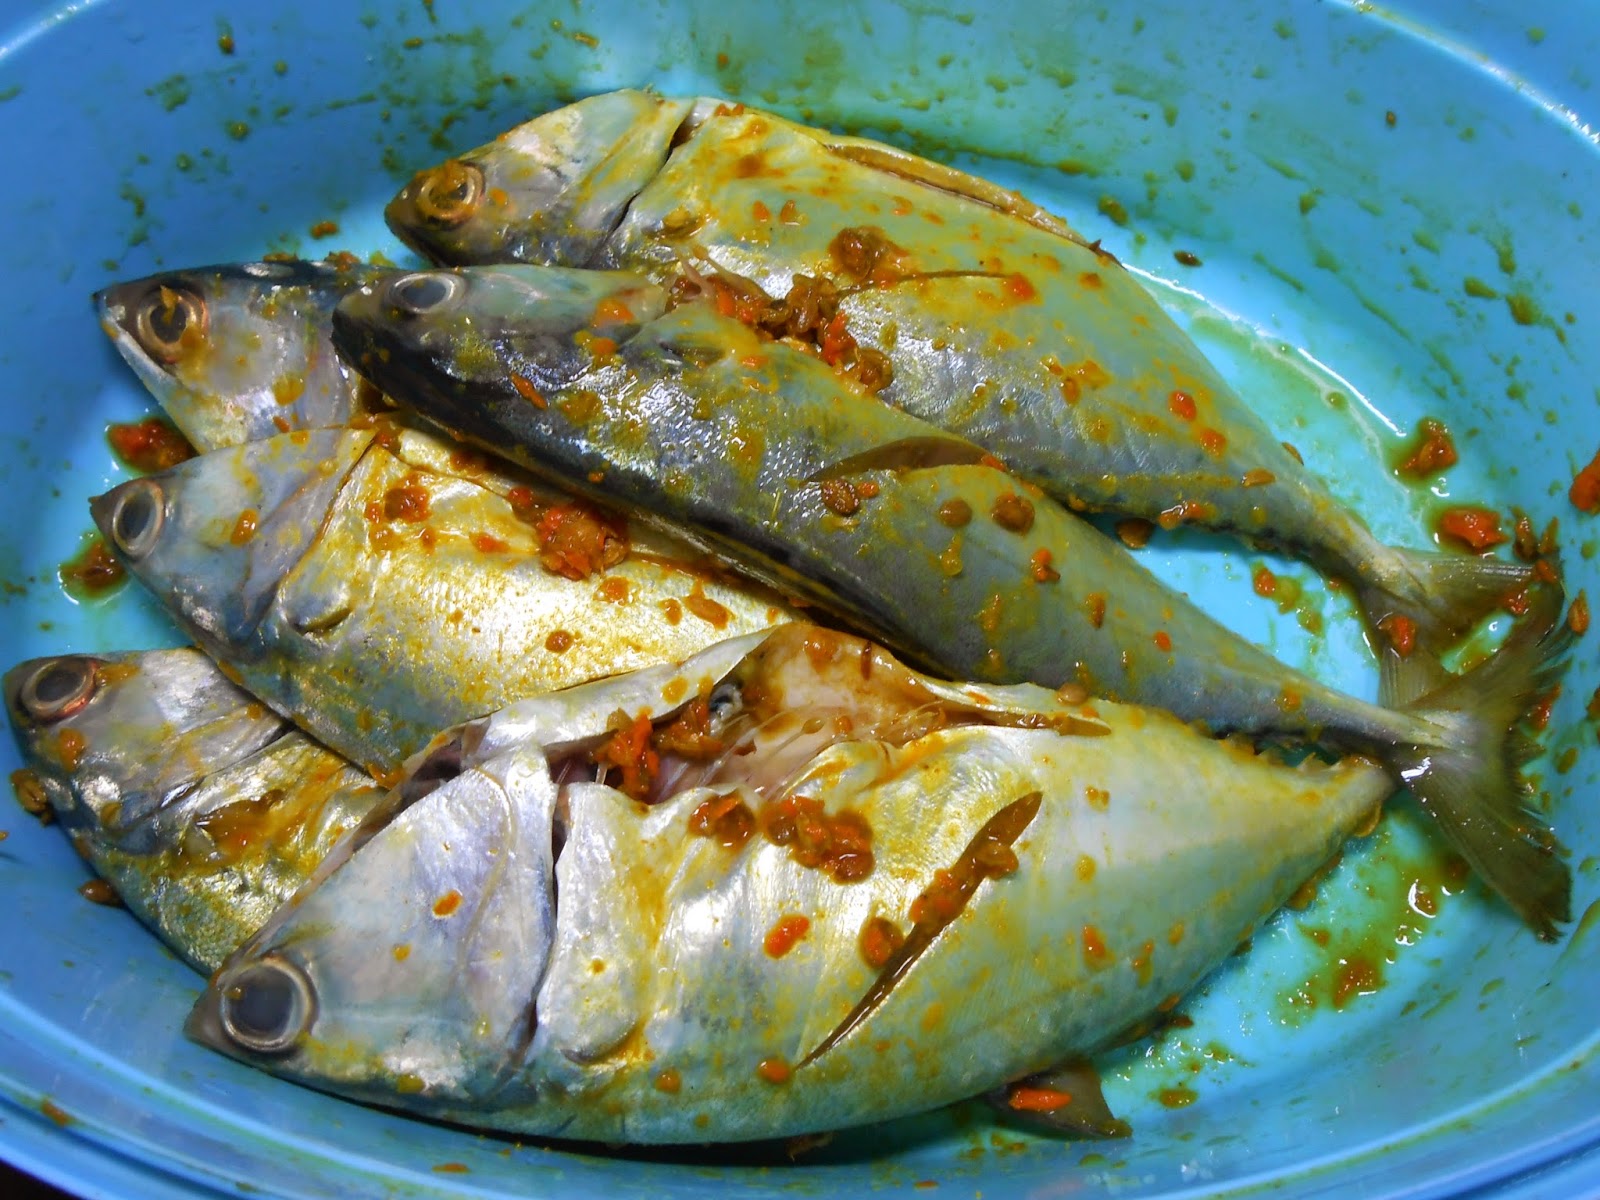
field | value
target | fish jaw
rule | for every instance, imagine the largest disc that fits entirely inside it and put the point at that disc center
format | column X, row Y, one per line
column 578, row 167
column 470, row 866
column 214, row 536
column 253, row 358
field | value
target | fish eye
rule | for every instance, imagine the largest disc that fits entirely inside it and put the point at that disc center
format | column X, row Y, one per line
column 266, row 1005
column 449, row 193
column 58, row 688
column 136, row 521
column 424, row 292
column 169, row 319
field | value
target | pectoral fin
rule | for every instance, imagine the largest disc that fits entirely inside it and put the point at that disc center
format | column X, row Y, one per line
column 1064, row 1100
column 907, row 454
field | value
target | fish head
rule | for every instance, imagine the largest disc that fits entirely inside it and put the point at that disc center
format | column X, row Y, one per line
column 214, row 536
column 111, row 739
column 407, row 971
column 528, row 330
column 237, row 352
column 549, row 191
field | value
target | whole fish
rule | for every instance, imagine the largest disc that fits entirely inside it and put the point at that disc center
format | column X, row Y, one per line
column 239, row 352
column 961, row 301
column 868, row 893
column 358, row 586
column 910, row 534
column 203, row 809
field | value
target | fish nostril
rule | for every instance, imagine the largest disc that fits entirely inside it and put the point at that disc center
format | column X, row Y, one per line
column 137, row 518
column 450, row 193
column 58, row 688
column 424, row 291
column 266, row 1005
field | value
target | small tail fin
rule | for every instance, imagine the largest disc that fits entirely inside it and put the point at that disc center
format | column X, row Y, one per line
column 1442, row 596
column 1470, row 779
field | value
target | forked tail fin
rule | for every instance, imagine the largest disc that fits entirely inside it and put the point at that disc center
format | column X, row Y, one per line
column 1433, row 599
column 1470, row 778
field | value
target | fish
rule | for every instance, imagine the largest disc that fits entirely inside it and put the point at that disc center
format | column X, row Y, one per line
column 204, row 810
column 240, row 351
column 874, row 894
column 374, row 586
column 969, row 306
column 927, row 544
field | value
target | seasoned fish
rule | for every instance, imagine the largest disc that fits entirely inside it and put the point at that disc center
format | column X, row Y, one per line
column 360, row 582
column 760, row 449
column 872, row 893
column 239, row 352
column 202, row 809
column 965, row 304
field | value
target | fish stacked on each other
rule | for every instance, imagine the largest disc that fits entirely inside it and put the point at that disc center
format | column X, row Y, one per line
column 788, row 884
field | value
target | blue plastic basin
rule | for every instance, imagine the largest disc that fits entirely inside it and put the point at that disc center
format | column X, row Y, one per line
column 1394, row 211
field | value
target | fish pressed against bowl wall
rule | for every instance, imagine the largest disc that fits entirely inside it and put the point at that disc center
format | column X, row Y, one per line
column 1390, row 215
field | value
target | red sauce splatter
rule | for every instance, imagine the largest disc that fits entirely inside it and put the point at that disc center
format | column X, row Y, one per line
column 149, row 445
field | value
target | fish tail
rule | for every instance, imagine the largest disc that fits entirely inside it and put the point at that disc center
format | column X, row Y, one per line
column 1432, row 599
column 1469, row 776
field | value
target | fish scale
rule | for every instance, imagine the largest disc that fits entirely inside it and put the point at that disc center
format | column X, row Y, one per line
column 762, row 450
column 663, row 1011
column 1000, row 323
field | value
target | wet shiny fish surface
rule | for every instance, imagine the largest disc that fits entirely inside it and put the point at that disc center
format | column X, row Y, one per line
column 200, row 807
column 711, row 967
column 924, row 541
column 377, row 600
column 982, row 314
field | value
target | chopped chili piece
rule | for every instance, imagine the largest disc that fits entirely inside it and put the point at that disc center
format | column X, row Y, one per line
column 954, row 513
column 149, row 445
column 1475, row 527
column 1578, row 615
column 880, row 940
column 785, row 933
column 408, row 502
column 576, row 540
column 1013, row 512
column 1182, row 405
column 1135, row 532
column 1035, row 1099
column 1433, row 451
column 1585, row 490
column 689, row 734
column 1043, row 572
column 839, row 497
column 838, row 843
column 727, row 820
column 1402, row 633
column 629, row 751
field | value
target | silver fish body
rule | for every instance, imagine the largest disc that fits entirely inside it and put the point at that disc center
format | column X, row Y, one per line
column 239, row 352
column 204, row 810
column 578, row 965
column 999, row 322
column 760, row 449
column 375, row 587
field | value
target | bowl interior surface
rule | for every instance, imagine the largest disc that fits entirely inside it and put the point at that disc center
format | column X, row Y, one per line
column 1393, row 214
